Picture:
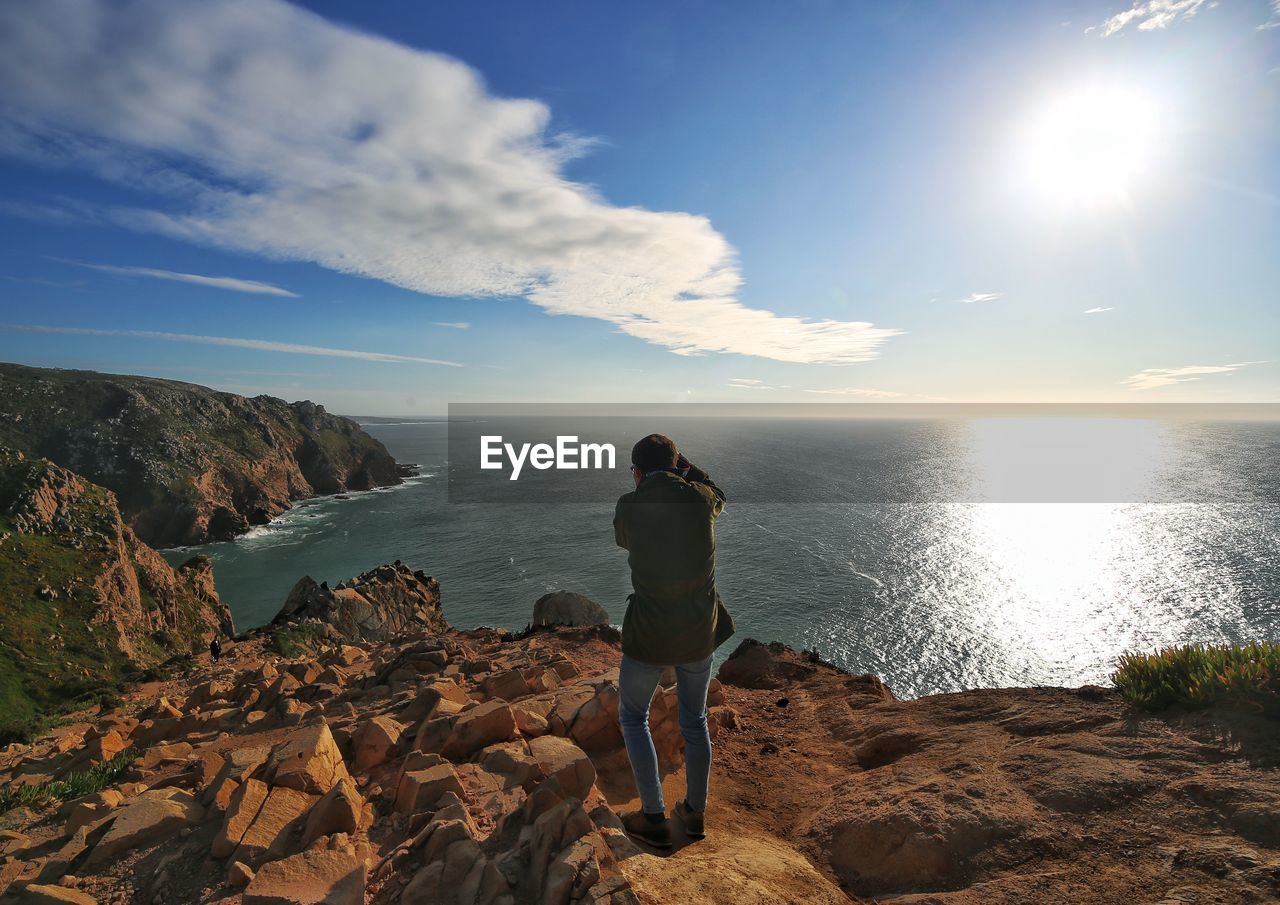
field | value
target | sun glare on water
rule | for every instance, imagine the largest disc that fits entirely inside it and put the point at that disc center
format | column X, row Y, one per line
column 1091, row 146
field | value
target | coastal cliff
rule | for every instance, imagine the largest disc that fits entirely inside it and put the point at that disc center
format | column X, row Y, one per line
column 83, row 602
column 187, row 464
column 461, row 767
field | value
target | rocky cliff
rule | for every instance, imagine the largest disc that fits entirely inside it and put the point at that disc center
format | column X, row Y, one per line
column 481, row 767
column 379, row 605
column 188, row 464
column 84, row 602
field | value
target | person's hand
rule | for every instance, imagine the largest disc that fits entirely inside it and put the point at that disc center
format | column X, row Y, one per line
column 683, row 465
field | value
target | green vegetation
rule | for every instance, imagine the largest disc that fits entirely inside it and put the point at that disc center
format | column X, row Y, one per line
column 1244, row 677
column 293, row 640
column 50, row 661
column 71, row 786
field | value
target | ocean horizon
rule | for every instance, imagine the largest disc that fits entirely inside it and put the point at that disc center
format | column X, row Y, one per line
column 962, row 583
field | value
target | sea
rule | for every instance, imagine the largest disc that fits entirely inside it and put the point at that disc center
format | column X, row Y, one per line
column 966, row 550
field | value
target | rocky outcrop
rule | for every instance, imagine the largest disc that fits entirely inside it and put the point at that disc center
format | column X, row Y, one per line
column 381, row 604
column 481, row 767
column 84, row 600
column 568, row 608
column 188, row 464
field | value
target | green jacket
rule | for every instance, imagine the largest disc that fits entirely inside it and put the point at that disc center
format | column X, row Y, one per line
column 667, row 524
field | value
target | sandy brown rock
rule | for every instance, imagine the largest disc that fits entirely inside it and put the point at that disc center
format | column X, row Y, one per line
column 315, row 877
column 309, row 761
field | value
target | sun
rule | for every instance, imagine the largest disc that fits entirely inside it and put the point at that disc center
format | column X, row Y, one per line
column 1093, row 145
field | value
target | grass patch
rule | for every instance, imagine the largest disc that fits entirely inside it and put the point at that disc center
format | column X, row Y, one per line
column 1244, row 677
column 294, row 640
column 71, row 786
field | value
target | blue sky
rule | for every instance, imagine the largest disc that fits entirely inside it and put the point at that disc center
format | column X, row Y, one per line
column 388, row 207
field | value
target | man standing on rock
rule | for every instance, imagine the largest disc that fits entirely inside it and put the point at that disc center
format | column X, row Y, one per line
column 674, row 618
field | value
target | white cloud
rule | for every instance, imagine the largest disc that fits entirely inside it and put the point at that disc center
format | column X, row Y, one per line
column 232, row 283
column 1152, row 14
column 1274, row 21
column 1152, row 378
column 266, row 129
column 858, row 391
column 454, row 325
column 979, row 297
column 751, row 383
column 1097, row 310
column 264, row 345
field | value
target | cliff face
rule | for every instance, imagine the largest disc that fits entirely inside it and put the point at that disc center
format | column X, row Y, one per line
column 480, row 767
column 82, row 600
column 188, row 464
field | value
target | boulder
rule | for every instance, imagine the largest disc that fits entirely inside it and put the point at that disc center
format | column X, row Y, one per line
column 420, row 789
column 564, row 760
column 309, row 762
column 314, row 877
column 337, row 812
column 41, row 894
column 272, row 829
column 479, row 727
column 375, row 741
column 756, row 665
column 568, row 608
column 241, row 811
column 145, row 821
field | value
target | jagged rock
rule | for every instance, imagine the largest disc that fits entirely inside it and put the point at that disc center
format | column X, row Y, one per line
column 272, row 829
column 564, row 760
column 382, row 603
column 419, row 789
column 508, row 685
column 375, row 741
column 309, row 761
column 239, row 875
column 529, row 721
column 40, row 894
column 145, row 821
column 477, row 728
column 313, row 877
column 241, row 811
column 756, row 665
column 337, row 812
column 568, row 608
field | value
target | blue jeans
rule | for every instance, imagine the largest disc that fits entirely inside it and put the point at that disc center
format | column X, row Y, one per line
column 636, row 683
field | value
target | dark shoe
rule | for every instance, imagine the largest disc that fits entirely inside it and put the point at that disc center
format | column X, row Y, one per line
column 691, row 819
column 640, row 827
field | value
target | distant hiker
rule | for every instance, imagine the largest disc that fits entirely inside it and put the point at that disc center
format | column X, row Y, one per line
column 215, row 649
column 674, row 618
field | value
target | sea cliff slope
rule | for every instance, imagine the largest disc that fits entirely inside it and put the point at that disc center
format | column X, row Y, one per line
column 187, row 464
column 83, row 602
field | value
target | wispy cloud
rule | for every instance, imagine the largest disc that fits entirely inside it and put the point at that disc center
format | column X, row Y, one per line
column 40, row 281
column 858, row 391
column 231, row 283
column 1152, row 378
column 264, row 345
column 751, row 383
column 454, row 325
column 1097, row 310
column 1274, row 21
column 263, row 128
column 1151, row 15
column 979, row 297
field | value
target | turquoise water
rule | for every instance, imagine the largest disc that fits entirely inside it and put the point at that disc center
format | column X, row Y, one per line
column 933, row 594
